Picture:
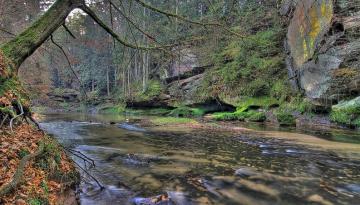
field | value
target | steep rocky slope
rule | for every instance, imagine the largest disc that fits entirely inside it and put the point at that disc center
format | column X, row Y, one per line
column 323, row 42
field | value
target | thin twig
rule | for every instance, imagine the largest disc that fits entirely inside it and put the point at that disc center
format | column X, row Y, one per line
column 68, row 61
column 68, row 30
column 7, row 32
column 97, row 182
column 81, row 156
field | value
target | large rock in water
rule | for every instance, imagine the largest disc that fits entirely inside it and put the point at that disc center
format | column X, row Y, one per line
column 323, row 42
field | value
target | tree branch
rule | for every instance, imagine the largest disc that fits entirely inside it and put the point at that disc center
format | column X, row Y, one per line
column 68, row 61
column 132, row 22
column 7, row 32
column 88, row 11
column 182, row 18
column 68, row 30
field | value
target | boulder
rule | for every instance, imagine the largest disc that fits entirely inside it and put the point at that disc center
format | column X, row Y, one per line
column 323, row 44
column 64, row 95
column 347, row 104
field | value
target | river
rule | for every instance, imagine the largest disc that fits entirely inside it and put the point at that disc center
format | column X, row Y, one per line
column 200, row 166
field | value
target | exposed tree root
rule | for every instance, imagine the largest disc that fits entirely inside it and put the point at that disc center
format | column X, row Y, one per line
column 3, row 121
column 16, row 116
column 7, row 188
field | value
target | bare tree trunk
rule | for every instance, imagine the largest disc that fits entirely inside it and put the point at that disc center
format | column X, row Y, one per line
column 92, row 84
column 136, row 66
column 144, row 76
column 108, row 81
column 176, row 13
column 115, row 76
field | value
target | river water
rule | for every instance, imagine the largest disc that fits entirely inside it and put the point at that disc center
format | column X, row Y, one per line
column 198, row 166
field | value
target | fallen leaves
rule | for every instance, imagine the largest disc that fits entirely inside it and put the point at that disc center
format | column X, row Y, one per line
column 36, row 181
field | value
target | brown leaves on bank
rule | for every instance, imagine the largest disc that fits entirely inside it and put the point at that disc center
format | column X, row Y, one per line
column 36, row 183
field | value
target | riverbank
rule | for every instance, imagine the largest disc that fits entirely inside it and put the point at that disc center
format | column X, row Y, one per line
column 34, row 168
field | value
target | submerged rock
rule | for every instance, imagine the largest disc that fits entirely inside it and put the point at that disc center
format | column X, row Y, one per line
column 131, row 127
column 245, row 171
column 168, row 198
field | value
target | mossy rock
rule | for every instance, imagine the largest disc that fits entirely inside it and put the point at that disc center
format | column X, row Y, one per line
column 347, row 113
column 256, row 103
column 252, row 116
column 187, row 112
column 257, row 117
column 172, row 120
column 115, row 109
column 225, row 116
column 285, row 119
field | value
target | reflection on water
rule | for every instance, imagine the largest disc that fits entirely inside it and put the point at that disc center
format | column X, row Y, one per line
column 202, row 167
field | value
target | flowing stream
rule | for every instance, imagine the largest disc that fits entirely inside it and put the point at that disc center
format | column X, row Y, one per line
column 198, row 166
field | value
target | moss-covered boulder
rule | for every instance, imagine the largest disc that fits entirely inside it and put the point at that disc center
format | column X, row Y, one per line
column 347, row 113
column 185, row 111
column 285, row 118
column 250, row 116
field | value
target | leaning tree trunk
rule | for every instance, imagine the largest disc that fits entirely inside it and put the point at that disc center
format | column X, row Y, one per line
column 13, row 100
column 25, row 44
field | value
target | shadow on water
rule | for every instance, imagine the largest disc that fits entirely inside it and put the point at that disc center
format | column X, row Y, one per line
column 331, row 134
column 203, row 167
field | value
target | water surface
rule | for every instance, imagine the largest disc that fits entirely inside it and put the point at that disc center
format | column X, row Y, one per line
column 197, row 166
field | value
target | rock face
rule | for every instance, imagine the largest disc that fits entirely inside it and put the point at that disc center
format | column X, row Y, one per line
column 186, row 90
column 64, row 95
column 185, row 63
column 323, row 43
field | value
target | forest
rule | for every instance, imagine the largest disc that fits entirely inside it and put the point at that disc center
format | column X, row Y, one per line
column 151, row 102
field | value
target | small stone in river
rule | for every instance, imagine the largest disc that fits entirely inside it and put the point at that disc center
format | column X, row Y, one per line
column 318, row 199
column 245, row 172
column 354, row 188
column 20, row 202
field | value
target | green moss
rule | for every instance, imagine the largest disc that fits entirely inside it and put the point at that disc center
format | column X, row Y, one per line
column 152, row 111
column 340, row 117
column 224, row 116
column 154, row 88
column 6, row 110
column 281, row 90
column 356, row 122
column 252, row 116
column 285, row 119
column 171, row 120
column 298, row 104
column 22, row 153
column 259, row 102
column 50, row 158
column 248, row 67
column 117, row 109
column 22, row 44
column 39, row 201
column 257, row 117
column 187, row 112
column 346, row 115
